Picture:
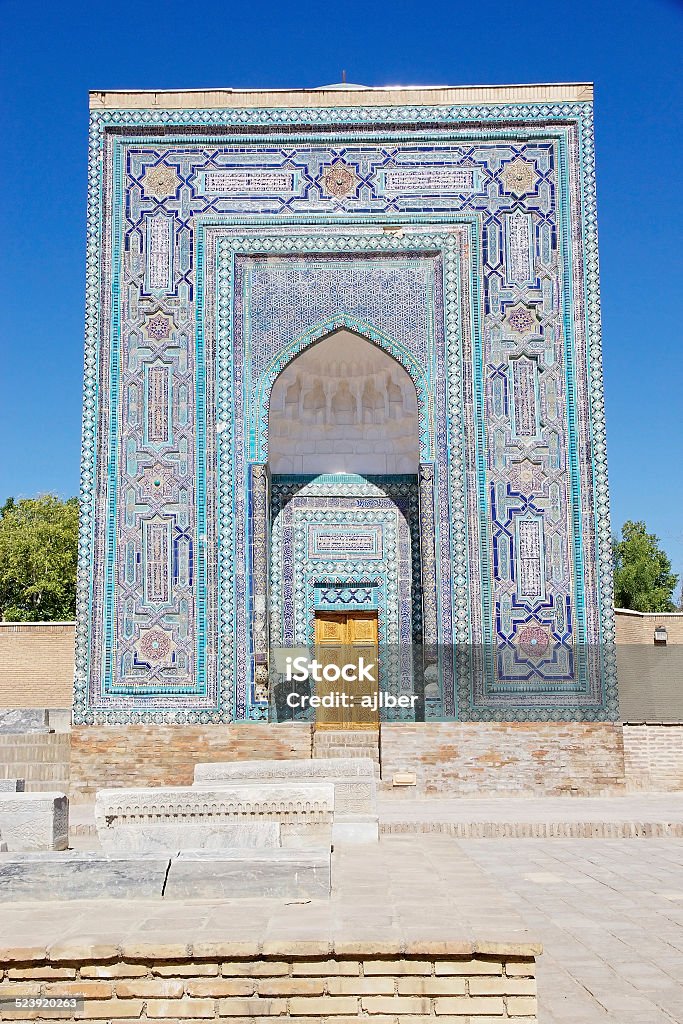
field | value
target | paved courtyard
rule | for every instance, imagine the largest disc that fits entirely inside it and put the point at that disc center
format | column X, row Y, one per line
column 609, row 912
column 610, row 916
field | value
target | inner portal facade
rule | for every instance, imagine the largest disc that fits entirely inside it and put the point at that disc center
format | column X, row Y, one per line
column 343, row 359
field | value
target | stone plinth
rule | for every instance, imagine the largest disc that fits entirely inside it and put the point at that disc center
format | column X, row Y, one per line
column 34, row 821
column 80, row 875
column 246, row 815
column 236, row 874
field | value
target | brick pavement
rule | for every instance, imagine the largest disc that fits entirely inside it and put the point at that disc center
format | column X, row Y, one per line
column 610, row 916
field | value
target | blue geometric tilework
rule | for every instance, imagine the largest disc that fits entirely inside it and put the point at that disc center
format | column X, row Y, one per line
column 462, row 241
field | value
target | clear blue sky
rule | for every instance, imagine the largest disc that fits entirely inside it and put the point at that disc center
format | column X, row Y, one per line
column 51, row 54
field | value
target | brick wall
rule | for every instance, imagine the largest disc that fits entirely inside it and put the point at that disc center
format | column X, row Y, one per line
column 158, row 755
column 650, row 674
column 493, row 757
column 36, row 664
column 639, row 627
column 166, row 985
column 653, row 756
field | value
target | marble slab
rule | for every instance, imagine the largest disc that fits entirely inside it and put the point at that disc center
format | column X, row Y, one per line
column 355, row 828
column 355, row 787
column 81, row 875
column 169, row 836
column 234, row 874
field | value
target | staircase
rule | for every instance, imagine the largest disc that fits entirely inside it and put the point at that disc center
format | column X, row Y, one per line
column 42, row 759
column 347, row 743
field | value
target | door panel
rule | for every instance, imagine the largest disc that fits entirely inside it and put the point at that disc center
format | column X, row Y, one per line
column 343, row 638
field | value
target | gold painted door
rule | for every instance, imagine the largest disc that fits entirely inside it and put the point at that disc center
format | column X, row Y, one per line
column 347, row 641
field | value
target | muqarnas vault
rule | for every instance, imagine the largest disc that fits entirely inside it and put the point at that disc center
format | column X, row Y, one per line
column 343, row 355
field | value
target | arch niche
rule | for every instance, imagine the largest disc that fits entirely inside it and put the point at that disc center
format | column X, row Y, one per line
column 343, row 497
column 343, row 405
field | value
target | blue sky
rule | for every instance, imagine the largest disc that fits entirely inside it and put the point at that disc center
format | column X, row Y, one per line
column 52, row 54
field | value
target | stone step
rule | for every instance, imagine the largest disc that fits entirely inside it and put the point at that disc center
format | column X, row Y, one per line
column 346, row 752
column 332, row 743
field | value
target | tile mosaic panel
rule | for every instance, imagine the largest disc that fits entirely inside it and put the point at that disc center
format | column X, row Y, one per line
column 462, row 240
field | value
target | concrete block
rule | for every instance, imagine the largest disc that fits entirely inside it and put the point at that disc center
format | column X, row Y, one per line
column 355, row 828
column 80, row 875
column 34, row 821
column 235, row 874
column 12, row 785
column 246, row 815
column 23, row 720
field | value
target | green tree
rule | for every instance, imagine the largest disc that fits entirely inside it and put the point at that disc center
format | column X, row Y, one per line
column 38, row 552
column 643, row 580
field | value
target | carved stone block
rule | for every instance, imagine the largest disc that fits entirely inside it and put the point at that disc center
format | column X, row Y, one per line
column 184, row 818
column 34, row 821
column 355, row 789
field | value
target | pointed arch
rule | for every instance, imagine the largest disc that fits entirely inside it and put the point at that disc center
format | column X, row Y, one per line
column 258, row 434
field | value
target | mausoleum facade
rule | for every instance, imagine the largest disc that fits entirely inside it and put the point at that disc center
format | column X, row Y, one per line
column 343, row 366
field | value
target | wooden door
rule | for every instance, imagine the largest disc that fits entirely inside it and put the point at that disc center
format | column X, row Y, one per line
column 347, row 639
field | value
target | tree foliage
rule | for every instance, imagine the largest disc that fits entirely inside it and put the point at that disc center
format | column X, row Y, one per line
column 38, row 552
column 643, row 580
